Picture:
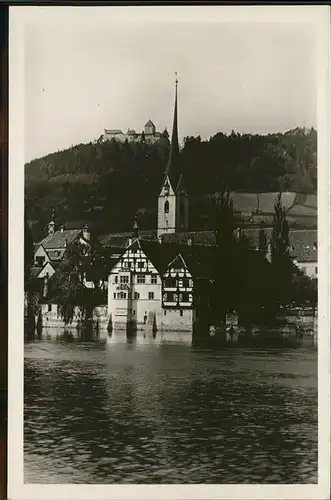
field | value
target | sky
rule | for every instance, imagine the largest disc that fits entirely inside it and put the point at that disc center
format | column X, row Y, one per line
column 88, row 69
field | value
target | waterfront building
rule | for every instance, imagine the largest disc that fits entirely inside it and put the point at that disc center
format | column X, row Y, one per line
column 155, row 286
column 50, row 251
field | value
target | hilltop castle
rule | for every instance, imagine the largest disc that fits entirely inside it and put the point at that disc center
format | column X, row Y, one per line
column 149, row 134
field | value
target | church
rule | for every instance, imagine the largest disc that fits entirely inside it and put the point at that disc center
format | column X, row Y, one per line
column 159, row 286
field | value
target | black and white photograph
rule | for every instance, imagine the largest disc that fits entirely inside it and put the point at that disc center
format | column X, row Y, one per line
column 171, row 320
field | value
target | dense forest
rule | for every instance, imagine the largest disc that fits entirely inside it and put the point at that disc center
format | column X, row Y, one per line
column 106, row 183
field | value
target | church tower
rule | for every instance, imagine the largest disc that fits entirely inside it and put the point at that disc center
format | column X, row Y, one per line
column 173, row 200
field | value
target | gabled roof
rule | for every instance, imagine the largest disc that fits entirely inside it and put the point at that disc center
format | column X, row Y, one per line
column 60, row 239
column 149, row 123
column 120, row 240
column 197, row 259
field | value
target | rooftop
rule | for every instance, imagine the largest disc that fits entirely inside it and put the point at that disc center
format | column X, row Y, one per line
column 60, row 239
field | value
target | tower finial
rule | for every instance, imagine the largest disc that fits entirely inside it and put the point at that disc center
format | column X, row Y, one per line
column 172, row 165
column 135, row 227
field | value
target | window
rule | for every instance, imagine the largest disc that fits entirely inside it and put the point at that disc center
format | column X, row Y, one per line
column 154, row 280
column 121, row 295
column 40, row 261
column 165, row 312
column 141, row 278
column 136, row 295
column 181, row 312
column 171, row 297
column 186, row 283
column 166, row 207
column 151, row 295
column 140, row 264
column 124, row 279
column 49, row 307
column 116, row 279
column 185, row 297
column 114, row 295
column 316, row 270
column 170, row 283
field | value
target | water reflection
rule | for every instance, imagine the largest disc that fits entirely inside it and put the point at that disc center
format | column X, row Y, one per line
column 144, row 410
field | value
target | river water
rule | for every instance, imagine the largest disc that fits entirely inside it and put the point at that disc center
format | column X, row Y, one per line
column 149, row 410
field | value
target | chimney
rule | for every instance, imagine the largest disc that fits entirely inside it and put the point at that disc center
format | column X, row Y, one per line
column 62, row 229
column 86, row 233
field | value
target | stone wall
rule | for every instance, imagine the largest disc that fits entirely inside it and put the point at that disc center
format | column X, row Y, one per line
column 52, row 319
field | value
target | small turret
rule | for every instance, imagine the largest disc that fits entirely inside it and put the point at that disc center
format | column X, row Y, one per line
column 86, row 233
column 51, row 224
column 135, row 233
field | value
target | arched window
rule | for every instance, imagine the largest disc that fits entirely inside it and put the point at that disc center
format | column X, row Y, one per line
column 166, row 207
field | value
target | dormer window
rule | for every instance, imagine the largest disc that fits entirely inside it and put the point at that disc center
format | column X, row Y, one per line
column 166, row 207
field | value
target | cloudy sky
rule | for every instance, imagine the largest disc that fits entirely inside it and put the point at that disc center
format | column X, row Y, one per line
column 87, row 69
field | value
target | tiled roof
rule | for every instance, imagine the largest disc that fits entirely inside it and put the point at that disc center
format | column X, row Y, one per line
column 197, row 237
column 198, row 259
column 59, row 239
column 35, row 271
column 121, row 239
column 301, row 240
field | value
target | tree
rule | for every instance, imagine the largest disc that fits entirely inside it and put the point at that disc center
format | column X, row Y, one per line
column 282, row 264
column 67, row 284
column 223, row 265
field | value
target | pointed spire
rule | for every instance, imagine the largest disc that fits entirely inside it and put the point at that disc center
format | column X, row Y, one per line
column 135, row 228
column 172, row 165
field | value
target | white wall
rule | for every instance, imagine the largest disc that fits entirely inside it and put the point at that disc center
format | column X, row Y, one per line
column 40, row 252
column 48, row 269
column 166, row 222
column 309, row 268
column 175, row 320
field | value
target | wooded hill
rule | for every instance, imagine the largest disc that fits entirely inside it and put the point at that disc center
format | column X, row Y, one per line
column 106, row 183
